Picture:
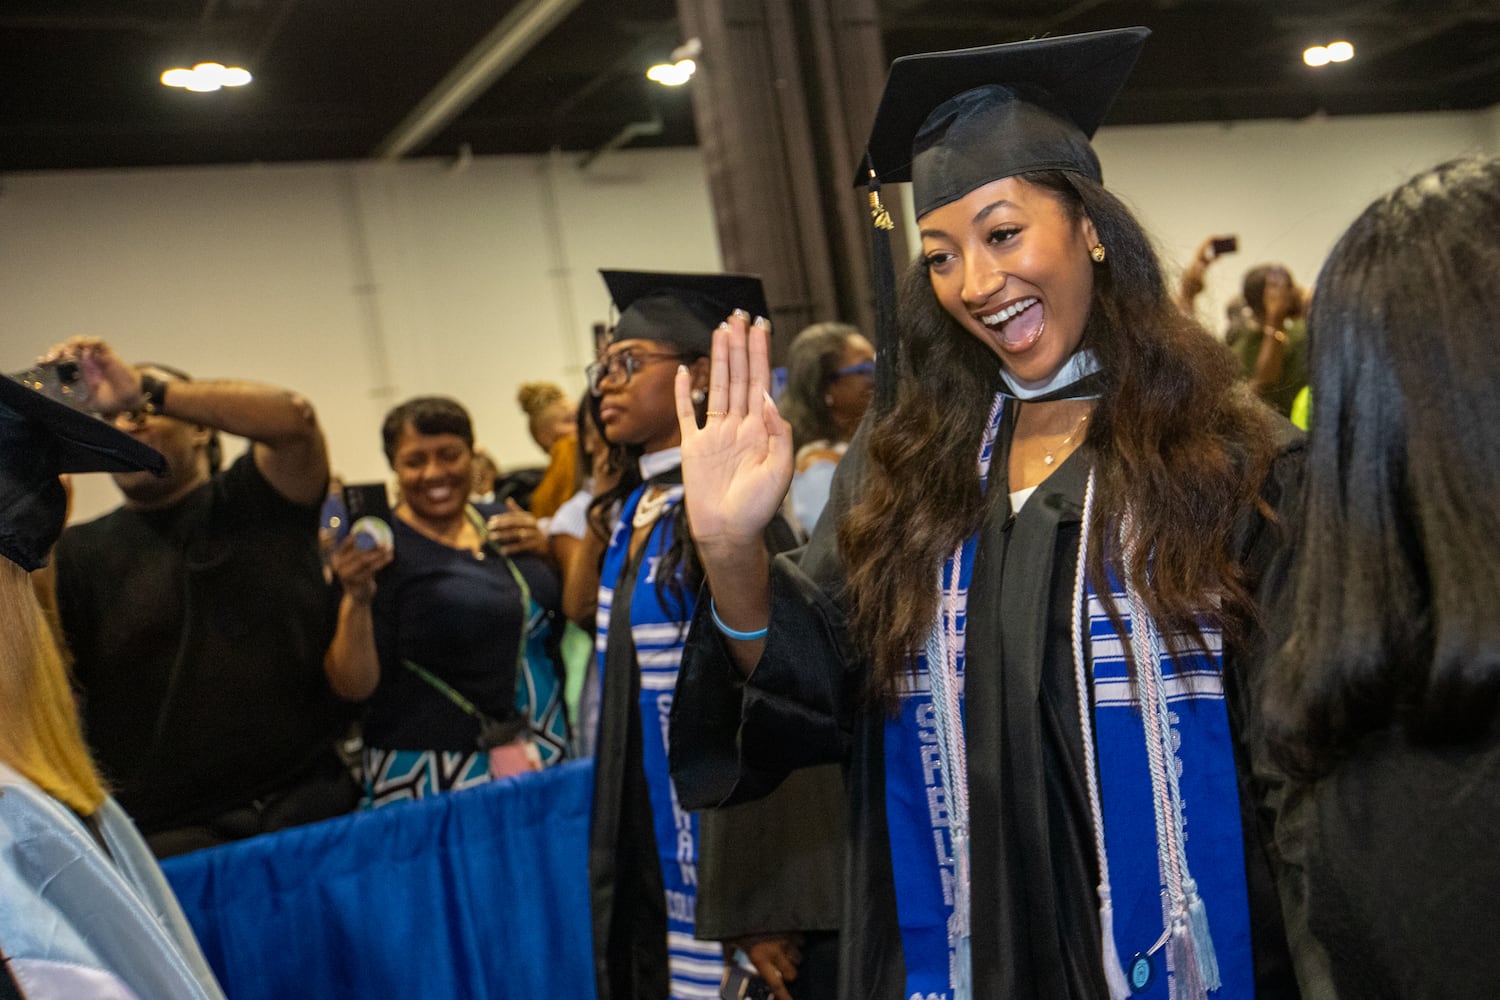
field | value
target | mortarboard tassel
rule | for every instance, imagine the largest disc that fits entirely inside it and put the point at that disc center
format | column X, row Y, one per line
column 883, row 278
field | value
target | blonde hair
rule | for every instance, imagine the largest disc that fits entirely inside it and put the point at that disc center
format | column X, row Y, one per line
column 40, row 735
column 535, row 397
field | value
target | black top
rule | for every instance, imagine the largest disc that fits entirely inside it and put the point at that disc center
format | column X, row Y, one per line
column 1401, row 875
column 1035, row 914
column 459, row 617
column 198, row 635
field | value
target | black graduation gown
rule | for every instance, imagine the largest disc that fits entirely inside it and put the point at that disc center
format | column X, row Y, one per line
column 1035, row 912
column 628, row 909
column 629, row 904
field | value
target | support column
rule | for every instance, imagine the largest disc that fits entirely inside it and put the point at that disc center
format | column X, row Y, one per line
column 783, row 100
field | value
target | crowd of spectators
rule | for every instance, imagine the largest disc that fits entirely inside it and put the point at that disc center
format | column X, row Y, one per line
column 705, row 589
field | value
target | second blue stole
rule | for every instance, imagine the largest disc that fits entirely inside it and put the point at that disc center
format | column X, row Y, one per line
column 658, row 628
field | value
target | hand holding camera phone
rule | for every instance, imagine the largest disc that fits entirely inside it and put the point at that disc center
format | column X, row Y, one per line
column 369, row 509
column 1220, row 245
column 57, row 380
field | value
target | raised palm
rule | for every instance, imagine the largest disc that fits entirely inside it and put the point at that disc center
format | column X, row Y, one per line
column 736, row 468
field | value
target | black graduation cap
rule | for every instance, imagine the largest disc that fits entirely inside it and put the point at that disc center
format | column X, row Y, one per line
column 678, row 308
column 40, row 438
column 951, row 122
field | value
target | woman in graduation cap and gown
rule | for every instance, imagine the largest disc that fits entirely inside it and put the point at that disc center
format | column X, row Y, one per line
column 84, row 909
column 644, row 844
column 1032, row 619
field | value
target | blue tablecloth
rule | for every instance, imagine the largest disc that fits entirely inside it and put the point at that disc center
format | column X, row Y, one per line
column 478, row 894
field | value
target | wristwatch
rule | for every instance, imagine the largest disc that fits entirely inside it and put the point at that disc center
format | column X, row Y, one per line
column 153, row 393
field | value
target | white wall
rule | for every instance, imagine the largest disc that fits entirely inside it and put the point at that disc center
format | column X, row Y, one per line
column 1287, row 189
column 363, row 284
column 359, row 285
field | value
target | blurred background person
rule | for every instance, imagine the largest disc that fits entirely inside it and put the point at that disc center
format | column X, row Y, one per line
column 197, row 613
column 432, row 623
column 551, row 417
column 829, row 384
column 84, row 910
column 1386, row 700
column 1273, row 352
column 486, row 474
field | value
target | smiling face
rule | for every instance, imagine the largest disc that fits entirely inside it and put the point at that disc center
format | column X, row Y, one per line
column 1010, row 262
column 643, row 411
column 434, row 472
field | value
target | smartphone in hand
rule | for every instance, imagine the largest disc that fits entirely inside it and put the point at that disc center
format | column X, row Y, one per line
column 742, row 984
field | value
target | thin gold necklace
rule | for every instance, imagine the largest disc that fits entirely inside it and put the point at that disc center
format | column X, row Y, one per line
column 1048, row 457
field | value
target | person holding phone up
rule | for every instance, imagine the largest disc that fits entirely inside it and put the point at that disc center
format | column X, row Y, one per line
column 197, row 614
column 432, row 621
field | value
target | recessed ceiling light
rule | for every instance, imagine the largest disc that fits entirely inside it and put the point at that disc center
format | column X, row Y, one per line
column 1333, row 52
column 672, row 74
column 206, row 77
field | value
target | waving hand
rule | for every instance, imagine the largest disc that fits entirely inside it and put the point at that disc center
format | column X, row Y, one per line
column 737, row 467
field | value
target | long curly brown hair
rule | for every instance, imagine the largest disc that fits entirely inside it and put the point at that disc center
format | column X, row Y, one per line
column 1177, row 442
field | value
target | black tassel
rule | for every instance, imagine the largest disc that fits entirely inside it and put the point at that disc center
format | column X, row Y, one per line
column 883, row 279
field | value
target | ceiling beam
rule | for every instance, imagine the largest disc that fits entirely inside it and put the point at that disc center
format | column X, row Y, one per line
column 520, row 30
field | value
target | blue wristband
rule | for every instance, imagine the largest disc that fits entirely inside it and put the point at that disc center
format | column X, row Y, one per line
column 759, row 633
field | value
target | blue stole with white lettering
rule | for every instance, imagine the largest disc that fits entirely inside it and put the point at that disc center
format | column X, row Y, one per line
column 1202, row 755
column 658, row 629
column 917, row 816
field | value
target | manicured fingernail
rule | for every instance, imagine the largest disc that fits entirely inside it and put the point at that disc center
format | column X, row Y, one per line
column 762, row 322
column 767, row 394
column 682, row 369
column 741, row 314
column 724, row 326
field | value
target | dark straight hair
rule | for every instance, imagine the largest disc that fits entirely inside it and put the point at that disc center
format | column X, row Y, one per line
column 427, row 415
column 1398, row 565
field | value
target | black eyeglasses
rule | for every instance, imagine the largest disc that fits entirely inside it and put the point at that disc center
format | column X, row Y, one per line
column 621, row 367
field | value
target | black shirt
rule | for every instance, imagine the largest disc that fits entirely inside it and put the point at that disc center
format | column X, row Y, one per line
column 459, row 617
column 198, row 634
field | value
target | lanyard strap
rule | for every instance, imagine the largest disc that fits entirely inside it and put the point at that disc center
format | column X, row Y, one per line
column 492, row 731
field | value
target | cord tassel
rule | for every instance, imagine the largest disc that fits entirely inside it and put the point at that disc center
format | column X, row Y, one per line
column 1187, row 977
column 1203, row 942
column 1114, row 972
column 958, row 932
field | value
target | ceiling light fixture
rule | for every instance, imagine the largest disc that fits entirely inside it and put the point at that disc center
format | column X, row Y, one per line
column 684, row 63
column 206, row 77
column 672, row 74
column 1333, row 52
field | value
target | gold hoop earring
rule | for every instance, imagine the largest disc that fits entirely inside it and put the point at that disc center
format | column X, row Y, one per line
column 1097, row 252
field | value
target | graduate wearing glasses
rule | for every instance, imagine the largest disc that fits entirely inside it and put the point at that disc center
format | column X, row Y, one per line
column 644, row 850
